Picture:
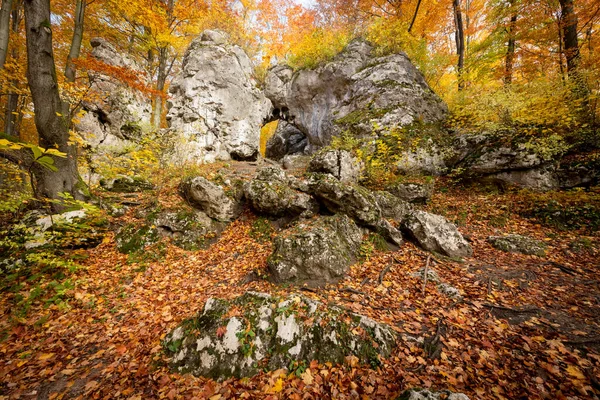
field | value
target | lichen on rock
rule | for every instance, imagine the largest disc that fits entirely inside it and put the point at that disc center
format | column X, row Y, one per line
column 240, row 337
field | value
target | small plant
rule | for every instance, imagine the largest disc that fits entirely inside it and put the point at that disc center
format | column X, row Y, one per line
column 246, row 339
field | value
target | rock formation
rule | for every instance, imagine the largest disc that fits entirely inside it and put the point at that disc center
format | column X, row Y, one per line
column 269, row 331
column 355, row 91
column 117, row 120
column 215, row 108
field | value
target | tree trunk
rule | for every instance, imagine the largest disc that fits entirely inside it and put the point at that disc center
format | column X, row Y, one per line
column 4, row 30
column 161, row 81
column 77, row 39
column 414, row 18
column 460, row 42
column 12, row 101
column 51, row 124
column 510, row 50
column 568, row 20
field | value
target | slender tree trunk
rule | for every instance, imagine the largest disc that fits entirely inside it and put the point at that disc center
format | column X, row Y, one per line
column 568, row 20
column 12, row 102
column 412, row 22
column 460, row 42
column 76, row 41
column 51, row 125
column 161, row 81
column 510, row 50
column 4, row 30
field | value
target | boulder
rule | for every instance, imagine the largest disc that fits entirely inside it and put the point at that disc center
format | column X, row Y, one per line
column 286, row 140
column 392, row 207
column 189, row 230
column 356, row 91
column 267, row 332
column 518, row 244
column 435, row 233
column 126, row 184
column 216, row 111
column 295, row 162
column 270, row 194
column 428, row 159
column 412, row 192
column 212, row 198
column 424, row 394
column 133, row 238
column 353, row 200
column 315, row 251
column 339, row 163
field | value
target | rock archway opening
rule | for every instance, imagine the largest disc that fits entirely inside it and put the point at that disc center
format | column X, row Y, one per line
column 279, row 136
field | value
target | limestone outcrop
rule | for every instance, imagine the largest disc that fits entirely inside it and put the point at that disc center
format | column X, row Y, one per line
column 215, row 109
column 268, row 332
column 356, row 91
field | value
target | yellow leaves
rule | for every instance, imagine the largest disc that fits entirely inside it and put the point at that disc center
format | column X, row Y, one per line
column 307, row 377
column 46, row 356
column 575, row 372
column 277, row 387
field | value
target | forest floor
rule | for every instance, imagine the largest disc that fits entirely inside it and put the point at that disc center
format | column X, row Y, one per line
column 527, row 327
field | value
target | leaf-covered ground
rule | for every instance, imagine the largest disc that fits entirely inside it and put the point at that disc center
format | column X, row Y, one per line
column 527, row 326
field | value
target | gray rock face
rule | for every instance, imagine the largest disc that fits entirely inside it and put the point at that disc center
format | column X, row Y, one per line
column 216, row 109
column 339, row 163
column 353, row 200
column 211, row 198
column 424, row 394
column 286, row 140
column 296, row 162
column 518, row 244
column 354, row 91
column 435, row 233
column 269, row 193
column 120, row 116
column 270, row 331
column 315, row 251
column 412, row 192
column 392, row 207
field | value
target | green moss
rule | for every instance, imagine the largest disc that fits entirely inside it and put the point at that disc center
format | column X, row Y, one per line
column 132, row 239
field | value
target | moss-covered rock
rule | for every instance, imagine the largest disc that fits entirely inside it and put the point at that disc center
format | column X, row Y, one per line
column 257, row 331
column 518, row 244
column 126, row 184
column 270, row 194
column 315, row 251
column 212, row 198
column 133, row 238
column 424, row 394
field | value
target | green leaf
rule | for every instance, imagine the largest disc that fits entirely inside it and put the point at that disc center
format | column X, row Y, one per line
column 37, row 152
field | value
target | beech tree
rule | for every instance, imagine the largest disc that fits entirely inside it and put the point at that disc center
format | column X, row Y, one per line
column 50, row 111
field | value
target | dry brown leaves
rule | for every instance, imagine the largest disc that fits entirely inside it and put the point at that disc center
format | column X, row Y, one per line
column 539, row 342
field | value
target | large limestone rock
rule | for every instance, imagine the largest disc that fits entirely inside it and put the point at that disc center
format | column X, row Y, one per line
column 424, row 394
column 216, row 110
column 269, row 332
column 270, row 194
column 339, row 163
column 518, row 244
column 315, row 251
column 435, row 233
column 393, row 207
column 212, row 198
column 355, row 91
column 353, row 200
column 411, row 191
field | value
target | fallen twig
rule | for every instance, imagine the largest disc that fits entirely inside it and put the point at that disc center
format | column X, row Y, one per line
column 425, row 274
column 383, row 272
column 351, row 290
